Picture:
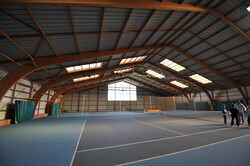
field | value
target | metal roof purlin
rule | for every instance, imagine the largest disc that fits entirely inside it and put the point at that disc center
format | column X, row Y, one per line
column 229, row 22
column 145, row 24
column 19, row 46
column 74, row 29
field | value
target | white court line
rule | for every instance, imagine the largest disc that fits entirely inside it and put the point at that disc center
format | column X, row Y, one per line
column 199, row 147
column 142, row 142
column 158, row 127
column 78, row 143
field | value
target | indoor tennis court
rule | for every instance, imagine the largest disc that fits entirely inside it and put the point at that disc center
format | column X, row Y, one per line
column 124, row 82
column 126, row 138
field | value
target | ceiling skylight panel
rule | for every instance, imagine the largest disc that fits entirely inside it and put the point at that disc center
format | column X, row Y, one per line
column 179, row 84
column 123, row 70
column 70, row 69
column 78, row 68
column 132, row 60
column 200, row 79
column 85, row 78
column 155, row 74
column 83, row 67
column 172, row 65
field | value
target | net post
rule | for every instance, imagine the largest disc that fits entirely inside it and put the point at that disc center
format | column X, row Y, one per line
column 174, row 103
column 83, row 104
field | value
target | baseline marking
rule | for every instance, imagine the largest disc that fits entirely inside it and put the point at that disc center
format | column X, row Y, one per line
column 158, row 127
column 71, row 163
column 142, row 142
column 199, row 147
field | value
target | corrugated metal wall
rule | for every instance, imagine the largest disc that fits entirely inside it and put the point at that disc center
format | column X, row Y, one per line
column 218, row 95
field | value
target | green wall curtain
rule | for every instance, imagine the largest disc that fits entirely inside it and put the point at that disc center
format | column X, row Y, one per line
column 218, row 104
column 201, row 106
column 24, row 110
column 54, row 108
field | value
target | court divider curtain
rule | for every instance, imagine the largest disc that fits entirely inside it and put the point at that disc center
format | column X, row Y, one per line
column 54, row 108
column 24, row 110
column 200, row 106
column 218, row 104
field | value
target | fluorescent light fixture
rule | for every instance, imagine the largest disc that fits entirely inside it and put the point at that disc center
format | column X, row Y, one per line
column 200, row 79
column 123, row 70
column 248, row 8
column 85, row 78
column 155, row 74
column 78, row 68
column 172, row 65
column 132, row 60
column 179, row 84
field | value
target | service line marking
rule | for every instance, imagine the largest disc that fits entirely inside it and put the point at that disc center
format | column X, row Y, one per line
column 199, row 147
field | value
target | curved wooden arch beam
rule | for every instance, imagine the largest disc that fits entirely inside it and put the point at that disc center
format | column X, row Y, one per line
column 178, row 90
column 38, row 95
column 184, row 79
column 145, row 4
column 212, row 70
column 70, row 86
column 84, row 88
column 14, row 76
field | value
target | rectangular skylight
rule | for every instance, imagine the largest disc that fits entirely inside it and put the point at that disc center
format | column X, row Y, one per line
column 78, row 68
column 200, row 79
column 86, row 78
column 179, row 84
column 248, row 8
column 132, row 60
column 172, row 65
column 123, row 70
column 155, row 74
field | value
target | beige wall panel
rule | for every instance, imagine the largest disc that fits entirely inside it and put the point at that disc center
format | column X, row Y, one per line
column 2, row 115
column 4, row 103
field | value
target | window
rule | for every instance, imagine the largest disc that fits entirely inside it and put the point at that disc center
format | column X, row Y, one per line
column 121, row 91
column 78, row 68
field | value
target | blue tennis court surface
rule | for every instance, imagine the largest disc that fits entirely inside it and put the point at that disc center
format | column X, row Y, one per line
column 125, row 138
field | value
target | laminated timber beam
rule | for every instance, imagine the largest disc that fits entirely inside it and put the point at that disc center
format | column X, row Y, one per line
column 212, row 70
column 84, row 88
column 44, row 88
column 186, row 80
column 144, row 4
column 11, row 78
column 70, row 86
